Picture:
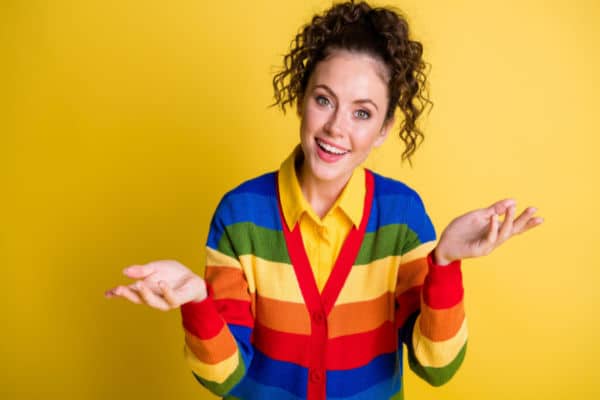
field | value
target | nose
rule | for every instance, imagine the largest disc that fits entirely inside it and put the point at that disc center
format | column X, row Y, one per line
column 335, row 125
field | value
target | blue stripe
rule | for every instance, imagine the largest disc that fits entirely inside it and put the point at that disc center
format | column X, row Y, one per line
column 396, row 203
column 250, row 389
column 383, row 390
column 345, row 383
column 242, row 337
column 289, row 377
column 244, row 207
column 263, row 185
column 388, row 186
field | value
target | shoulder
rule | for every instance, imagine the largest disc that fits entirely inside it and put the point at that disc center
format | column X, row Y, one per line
column 254, row 201
column 389, row 189
column 397, row 204
column 263, row 185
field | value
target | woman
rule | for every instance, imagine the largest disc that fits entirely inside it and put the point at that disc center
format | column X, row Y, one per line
column 317, row 273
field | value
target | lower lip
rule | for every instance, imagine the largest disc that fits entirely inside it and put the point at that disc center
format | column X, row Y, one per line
column 328, row 157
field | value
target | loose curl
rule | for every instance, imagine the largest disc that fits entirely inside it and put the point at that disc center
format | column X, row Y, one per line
column 382, row 33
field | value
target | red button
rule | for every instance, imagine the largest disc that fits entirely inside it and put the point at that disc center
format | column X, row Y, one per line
column 316, row 375
column 318, row 317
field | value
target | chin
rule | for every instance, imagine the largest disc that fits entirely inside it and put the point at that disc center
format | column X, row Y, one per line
column 327, row 173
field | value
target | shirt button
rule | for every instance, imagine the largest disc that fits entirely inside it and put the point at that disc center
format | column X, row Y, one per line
column 318, row 317
column 316, row 375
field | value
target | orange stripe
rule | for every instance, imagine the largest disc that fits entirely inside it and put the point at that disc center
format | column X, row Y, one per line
column 283, row 316
column 441, row 324
column 227, row 283
column 411, row 274
column 364, row 316
column 213, row 350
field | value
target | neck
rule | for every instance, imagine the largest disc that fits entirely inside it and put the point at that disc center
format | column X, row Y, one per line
column 321, row 195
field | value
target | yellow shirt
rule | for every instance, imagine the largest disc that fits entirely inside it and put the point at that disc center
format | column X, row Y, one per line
column 322, row 237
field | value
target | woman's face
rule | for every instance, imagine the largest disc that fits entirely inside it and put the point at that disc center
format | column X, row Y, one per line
column 342, row 116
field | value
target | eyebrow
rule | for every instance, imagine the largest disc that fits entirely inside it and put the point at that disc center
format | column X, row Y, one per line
column 328, row 89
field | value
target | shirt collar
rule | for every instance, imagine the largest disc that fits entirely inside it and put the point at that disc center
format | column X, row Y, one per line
column 294, row 204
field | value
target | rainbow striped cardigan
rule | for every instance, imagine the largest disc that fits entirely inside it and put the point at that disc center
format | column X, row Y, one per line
column 265, row 331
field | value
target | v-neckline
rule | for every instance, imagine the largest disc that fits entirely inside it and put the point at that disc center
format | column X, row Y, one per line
column 322, row 302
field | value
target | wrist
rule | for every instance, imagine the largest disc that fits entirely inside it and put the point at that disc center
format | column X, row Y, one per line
column 202, row 293
column 440, row 259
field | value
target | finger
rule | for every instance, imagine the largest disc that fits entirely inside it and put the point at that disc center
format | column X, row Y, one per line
column 522, row 220
column 507, row 225
column 492, row 235
column 124, row 292
column 150, row 298
column 500, row 207
column 139, row 271
column 533, row 222
column 168, row 294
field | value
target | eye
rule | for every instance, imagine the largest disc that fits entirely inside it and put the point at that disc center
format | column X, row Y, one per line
column 322, row 100
column 362, row 114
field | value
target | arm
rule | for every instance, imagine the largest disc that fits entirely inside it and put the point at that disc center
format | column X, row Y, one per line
column 430, row 310
column 435, row 332
column 218, row 329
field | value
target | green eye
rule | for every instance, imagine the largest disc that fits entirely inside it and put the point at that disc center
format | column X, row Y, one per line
column 362, row 114
column 322, row 100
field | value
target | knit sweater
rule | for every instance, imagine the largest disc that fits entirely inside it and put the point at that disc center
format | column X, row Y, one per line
column 265, row 331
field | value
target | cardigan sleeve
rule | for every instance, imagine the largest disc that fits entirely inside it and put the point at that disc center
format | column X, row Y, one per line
column 218, row 329
column 430, row 310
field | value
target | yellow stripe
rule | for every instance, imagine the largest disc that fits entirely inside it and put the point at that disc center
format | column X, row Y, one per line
column 370, row 281
column 213, row 372
column 438, row 354
column 215, row 258
column 418, row 252
column 274, row 280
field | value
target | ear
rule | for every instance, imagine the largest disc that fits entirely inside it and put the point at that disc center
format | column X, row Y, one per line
column 385, row 130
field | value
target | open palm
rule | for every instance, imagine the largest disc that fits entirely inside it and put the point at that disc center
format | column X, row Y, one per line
column 164, row 284
column 478, row 232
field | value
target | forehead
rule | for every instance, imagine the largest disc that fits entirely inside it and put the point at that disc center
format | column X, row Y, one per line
column 352, row 75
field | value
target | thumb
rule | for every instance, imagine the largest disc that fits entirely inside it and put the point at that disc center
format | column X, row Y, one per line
column 138, row 271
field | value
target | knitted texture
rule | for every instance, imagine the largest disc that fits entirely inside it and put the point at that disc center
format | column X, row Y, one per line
column 265, row 331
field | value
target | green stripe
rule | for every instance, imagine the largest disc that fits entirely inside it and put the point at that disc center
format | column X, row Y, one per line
column 220, row 389
column 399, row 395
column 436, row 376
column 389, row 240
column 247, row 238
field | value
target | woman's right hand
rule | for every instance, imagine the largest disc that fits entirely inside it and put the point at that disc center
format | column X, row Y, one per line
column 164, row 284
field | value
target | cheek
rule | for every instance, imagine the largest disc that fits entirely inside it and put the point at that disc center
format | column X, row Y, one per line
column 365, row 138
column 313, row 120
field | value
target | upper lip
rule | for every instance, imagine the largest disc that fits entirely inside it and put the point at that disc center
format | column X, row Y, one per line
column 332, row 144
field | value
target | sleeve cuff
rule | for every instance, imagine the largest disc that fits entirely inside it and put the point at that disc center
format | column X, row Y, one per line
column 201, row 318
column 443, row 285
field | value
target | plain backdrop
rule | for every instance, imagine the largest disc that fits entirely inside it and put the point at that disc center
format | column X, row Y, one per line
column 122, row 123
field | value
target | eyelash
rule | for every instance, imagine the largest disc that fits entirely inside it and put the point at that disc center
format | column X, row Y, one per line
column 360, row 114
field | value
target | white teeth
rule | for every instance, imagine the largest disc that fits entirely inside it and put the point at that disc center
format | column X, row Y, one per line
column 330, row 149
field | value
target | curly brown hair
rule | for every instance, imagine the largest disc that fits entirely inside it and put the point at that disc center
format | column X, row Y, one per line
column 382, row 33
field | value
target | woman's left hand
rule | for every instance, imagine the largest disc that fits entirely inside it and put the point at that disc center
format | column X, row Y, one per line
column 478, row 232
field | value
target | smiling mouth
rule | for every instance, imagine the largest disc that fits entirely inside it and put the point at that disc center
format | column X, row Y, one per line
column 326, row 147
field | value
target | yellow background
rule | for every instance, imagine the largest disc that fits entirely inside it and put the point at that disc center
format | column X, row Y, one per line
column 122, row 123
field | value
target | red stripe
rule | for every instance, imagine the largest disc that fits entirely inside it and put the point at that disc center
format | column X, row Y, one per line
column 408, row 302
column 201, row 319
column 282, row 346
column 344, row 352
column 236, row 312
column 443, row 284
column 353, row 351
